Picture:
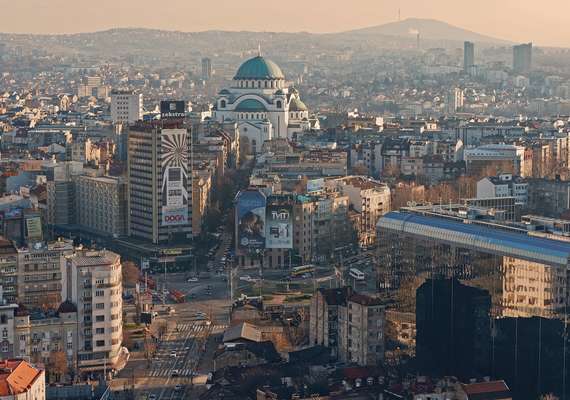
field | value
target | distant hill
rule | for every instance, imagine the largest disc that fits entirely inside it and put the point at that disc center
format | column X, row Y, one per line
column 137, row 42
column 429, row 29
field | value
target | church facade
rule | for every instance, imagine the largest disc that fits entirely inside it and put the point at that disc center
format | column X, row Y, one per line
column 261, row 103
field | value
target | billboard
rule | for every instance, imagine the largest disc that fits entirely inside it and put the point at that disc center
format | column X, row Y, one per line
column 315, row 185
column 279, row 231
column 174, row 162
column 250, row 219
column 172, row 109
column 34, row 228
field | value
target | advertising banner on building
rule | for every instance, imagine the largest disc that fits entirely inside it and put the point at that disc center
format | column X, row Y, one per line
column 315, row 185
column 175, row 181
column 250, row 217
column 279, row 231
column 34, row 228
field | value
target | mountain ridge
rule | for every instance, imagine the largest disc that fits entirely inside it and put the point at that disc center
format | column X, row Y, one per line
column 429, row 29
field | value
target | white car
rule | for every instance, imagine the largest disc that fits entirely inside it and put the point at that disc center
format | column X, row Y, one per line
column 192, row 280
column 173, row 354
column 175, row 373
column 246, row 278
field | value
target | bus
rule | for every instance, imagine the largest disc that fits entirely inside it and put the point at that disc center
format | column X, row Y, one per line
column 303, row 269
column 356, row 274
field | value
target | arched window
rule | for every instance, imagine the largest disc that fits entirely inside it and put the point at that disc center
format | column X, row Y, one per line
column 279, row 105
column 265, row 84
column 223, row 104
column 258, row 84
column 272, row 84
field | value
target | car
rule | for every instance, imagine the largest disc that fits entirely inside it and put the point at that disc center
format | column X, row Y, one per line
column 246, row 278
column 178, row 388
column 173, row 354
column 306, row 276
column 152, row 396
column 175, row 373
column 193, row 279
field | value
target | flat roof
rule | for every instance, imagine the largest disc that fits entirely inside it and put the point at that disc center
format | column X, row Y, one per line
column 483, row 238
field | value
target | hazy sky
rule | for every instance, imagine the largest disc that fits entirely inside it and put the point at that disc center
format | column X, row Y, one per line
column 543, row 22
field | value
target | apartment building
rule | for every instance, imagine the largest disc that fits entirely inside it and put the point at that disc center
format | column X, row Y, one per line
column 42, row 274
column 126, row 106
column 102, row 204
column 8, row 270
column 96, row 287
column 350, row 324
column 370, row 198
column 361, row 330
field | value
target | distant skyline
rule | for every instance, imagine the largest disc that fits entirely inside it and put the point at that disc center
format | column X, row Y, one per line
column 514, row 20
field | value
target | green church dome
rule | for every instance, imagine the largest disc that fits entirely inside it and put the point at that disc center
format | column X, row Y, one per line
column 250, row 105
column 259, row 68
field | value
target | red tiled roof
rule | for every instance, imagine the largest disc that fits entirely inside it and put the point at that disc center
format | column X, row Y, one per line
column 16, row 376
column 485, row 387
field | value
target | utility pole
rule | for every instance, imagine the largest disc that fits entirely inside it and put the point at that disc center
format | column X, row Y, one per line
column 164, row 285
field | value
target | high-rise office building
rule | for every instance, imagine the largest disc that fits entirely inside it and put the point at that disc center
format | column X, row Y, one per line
column 206, row 69
column 522, row 58
column 468, row 55
column 526, row 275
column 455, row 100
column 126, row 106
column 453, row 328
column 159, row 175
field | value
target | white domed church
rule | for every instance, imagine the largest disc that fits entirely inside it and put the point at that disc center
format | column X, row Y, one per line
column 261, row 104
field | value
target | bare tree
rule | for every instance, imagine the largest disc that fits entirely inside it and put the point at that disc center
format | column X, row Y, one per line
column 58, row 366
column 131, row 273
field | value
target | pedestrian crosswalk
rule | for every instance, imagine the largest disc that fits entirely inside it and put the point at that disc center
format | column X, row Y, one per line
column 176, row 355
column 200, row 328
column 162, row 373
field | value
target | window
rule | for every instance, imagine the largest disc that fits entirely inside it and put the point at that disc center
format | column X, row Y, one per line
column 100, row 343
column 3, row 319
column 279, row 104
column 99, row 293
column 100, row 306
column 99, row 318
column 99, row 331
column 223, row 104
